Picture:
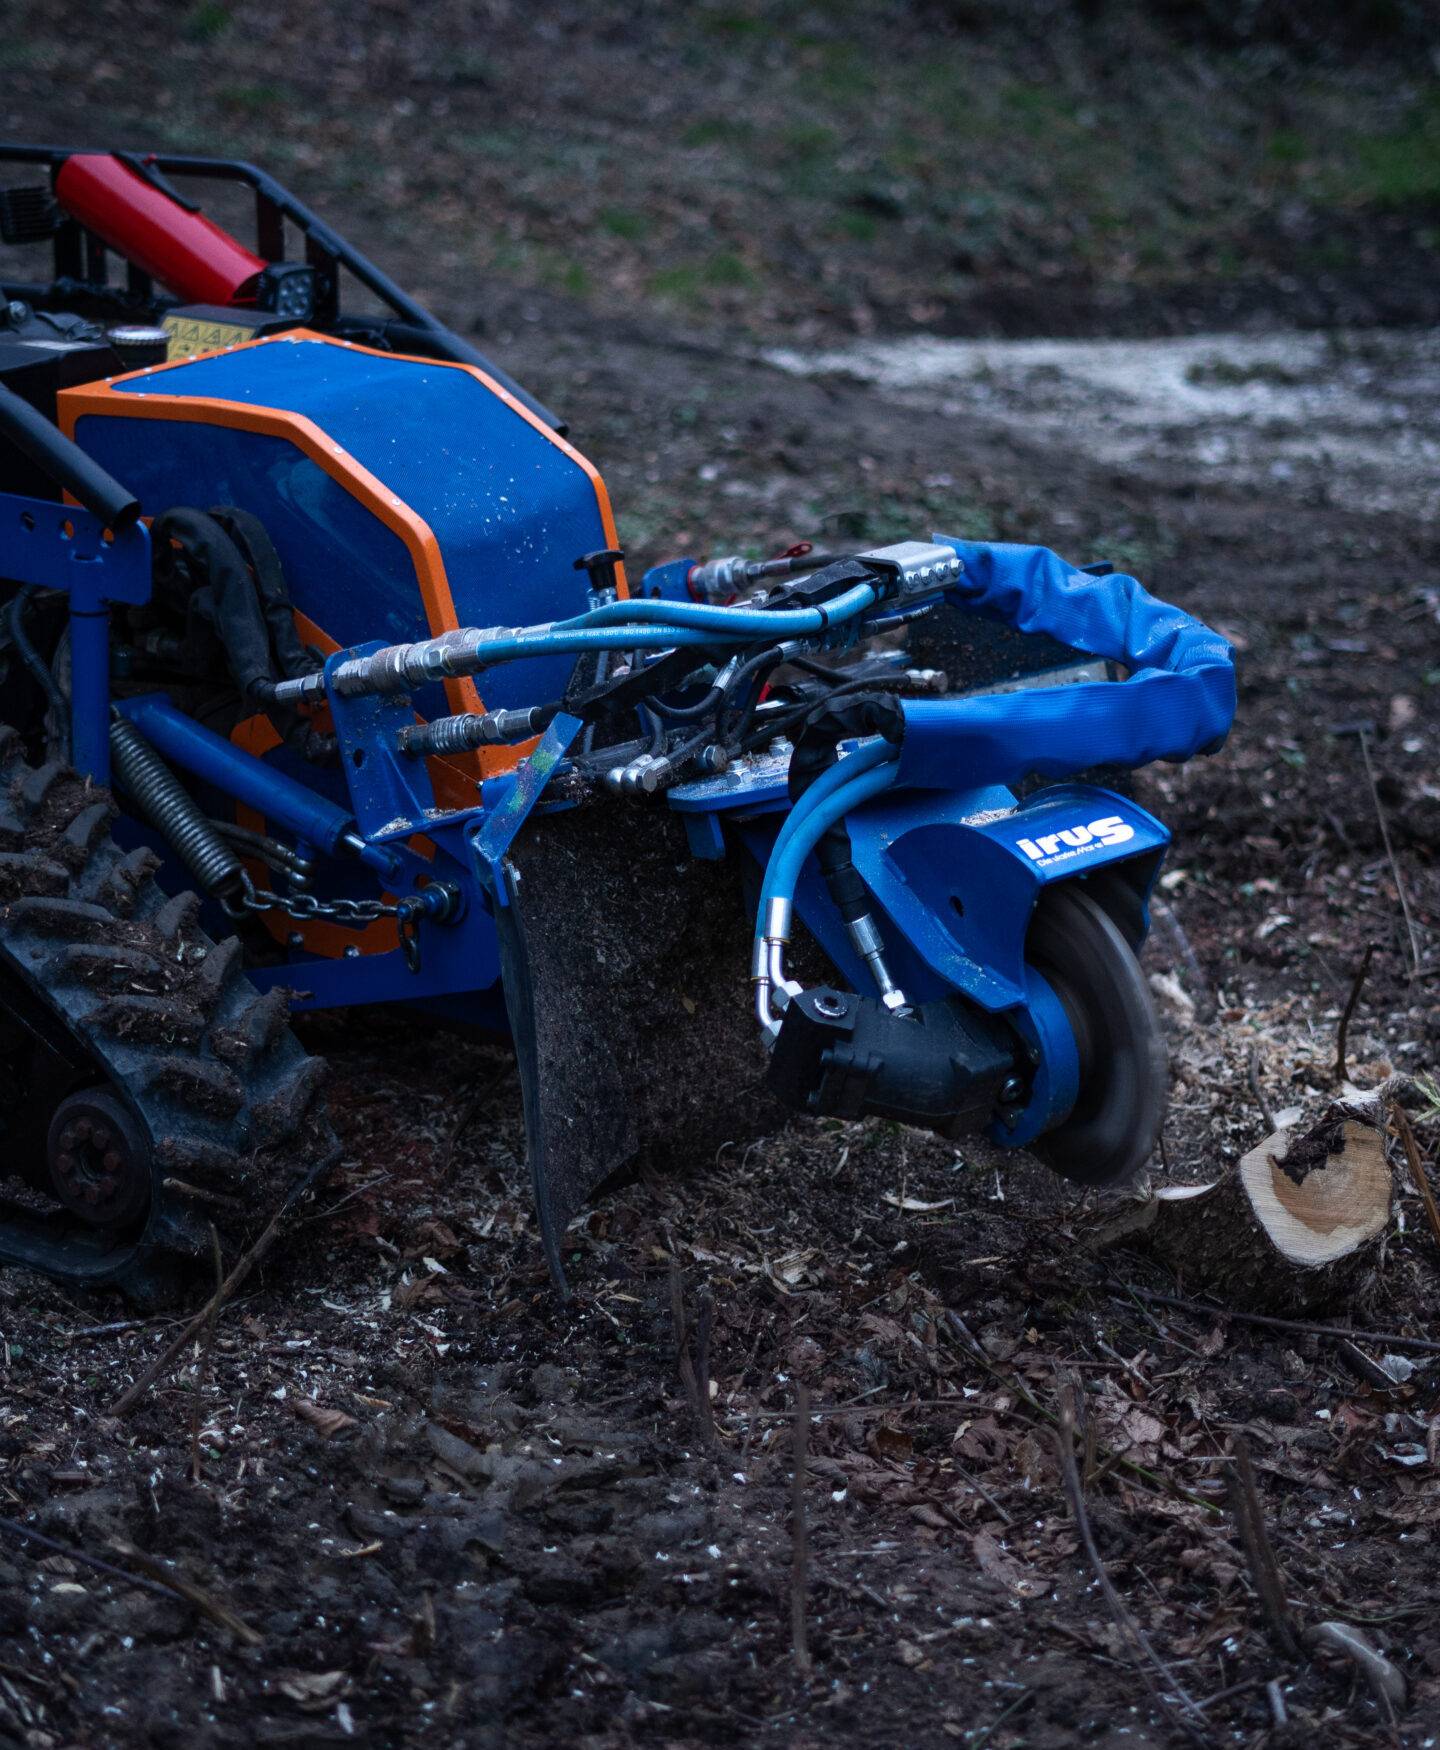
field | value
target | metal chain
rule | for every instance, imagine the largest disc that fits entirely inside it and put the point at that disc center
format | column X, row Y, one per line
column 349, row 913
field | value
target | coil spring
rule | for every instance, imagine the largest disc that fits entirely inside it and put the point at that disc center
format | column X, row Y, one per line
column 171, row 810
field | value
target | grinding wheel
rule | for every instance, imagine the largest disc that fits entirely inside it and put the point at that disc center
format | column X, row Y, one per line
column 1114, row 1125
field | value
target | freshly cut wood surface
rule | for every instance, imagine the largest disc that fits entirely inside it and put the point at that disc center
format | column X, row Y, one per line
column 1294, row 1228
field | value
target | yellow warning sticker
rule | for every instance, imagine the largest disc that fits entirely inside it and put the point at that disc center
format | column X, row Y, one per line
column 189, row 336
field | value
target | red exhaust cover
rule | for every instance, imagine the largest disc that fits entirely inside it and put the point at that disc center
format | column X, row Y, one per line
column 185, row 251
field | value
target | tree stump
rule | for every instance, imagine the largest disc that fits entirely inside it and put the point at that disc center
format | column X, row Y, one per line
column 1294, row 1228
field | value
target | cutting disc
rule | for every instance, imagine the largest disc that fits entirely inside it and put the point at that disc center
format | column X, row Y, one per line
column 1112, row 1129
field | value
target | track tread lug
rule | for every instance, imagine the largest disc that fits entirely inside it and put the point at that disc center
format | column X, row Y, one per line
column 252, row 1034
column 31, row 874
column 12, row 828
column 281, row 1112
column 223, row 962
column 199, row 1159
column 178, row 916
column 124, row 881
column 148, row 1020
column 39, row 782
column 210, row 1088
column 76, row 919
column 86, row 833
column 108, row 964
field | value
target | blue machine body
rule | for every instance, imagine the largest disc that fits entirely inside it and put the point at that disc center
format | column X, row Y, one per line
column 507, row 503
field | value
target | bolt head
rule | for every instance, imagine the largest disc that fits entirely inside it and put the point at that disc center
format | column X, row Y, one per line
column 1011, row 1090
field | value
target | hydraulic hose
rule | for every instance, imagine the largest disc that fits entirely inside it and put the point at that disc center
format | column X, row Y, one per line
column 845, row 771
column 731, row 622
column 796, row 841
column 800, row 836
column 631, row 625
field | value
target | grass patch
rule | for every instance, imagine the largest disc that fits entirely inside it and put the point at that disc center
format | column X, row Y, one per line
column 1402, row 168
column 206, row 21
column 623, row 222
column 691, row 282
column 252, row 99
column 718, row 130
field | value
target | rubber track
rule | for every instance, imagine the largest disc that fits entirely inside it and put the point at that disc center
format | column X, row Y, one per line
column 208, row 1063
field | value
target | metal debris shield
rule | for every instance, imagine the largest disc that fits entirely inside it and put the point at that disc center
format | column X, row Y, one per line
column 626, row 971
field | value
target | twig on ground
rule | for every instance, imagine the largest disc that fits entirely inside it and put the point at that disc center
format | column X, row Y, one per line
column 84, row 1557
column 696, row 1382
column 704, row 1325
column 1253, row 1068
column 114, row 1328
column 1357, row 984
column 207, row 1346
column 1360, row 1364
column 1390, row 855
column 975, row 1740
column 1390, row 1339
column 167, row 1357
column 220, row 1614
column 1275, row 1695
column 799, row 1548
column 1417, row 1168
column 1249, row 1516
column 1159, row 1678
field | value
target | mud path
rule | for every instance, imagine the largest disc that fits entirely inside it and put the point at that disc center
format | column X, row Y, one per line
column 1351, row 417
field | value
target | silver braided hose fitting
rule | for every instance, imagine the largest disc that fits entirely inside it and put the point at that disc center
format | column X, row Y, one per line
column 869, row 945
column 400, row 668
column 469, row 730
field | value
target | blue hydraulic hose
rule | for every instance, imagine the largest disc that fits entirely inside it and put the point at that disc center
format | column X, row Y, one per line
column 786, row 861
column 845, row 770
column 729, row 622
column 564, row 640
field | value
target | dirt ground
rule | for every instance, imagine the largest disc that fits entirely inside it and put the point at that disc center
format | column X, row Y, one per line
column 446, row 1509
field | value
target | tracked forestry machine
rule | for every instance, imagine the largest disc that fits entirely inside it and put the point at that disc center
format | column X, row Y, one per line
column 324, row 683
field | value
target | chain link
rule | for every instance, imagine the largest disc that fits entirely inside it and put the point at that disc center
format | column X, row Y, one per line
column 349, row 913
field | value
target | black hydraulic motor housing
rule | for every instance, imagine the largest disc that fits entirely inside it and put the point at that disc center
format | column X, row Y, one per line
column 942, row 1066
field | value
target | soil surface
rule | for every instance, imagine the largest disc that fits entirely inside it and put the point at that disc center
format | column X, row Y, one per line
column 413, row 1498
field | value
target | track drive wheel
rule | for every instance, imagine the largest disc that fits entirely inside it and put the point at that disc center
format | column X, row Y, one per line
column 147, row 1090
column 1114, row 1125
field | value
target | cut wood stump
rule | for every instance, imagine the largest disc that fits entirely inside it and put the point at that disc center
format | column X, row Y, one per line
column 1295, row 1227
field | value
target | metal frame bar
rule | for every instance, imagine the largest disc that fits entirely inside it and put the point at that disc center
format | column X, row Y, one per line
column 94, row 571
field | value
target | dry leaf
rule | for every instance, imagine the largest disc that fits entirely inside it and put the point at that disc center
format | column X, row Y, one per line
column 999, row 1566
column 326, row 1422
column 891, row 1443
column 313, row 1690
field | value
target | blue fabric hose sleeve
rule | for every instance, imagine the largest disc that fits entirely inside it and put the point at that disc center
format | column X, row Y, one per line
column 1179, row 700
